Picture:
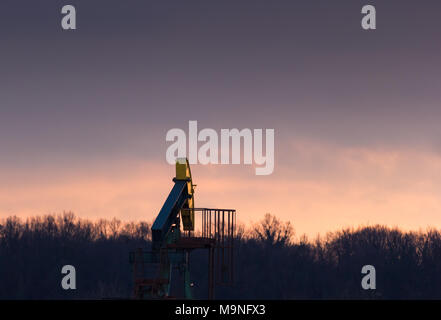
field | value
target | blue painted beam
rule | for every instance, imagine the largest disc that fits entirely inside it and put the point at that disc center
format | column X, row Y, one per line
column 169, row 211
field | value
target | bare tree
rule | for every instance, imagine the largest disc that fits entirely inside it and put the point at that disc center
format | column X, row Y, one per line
column 272, row 231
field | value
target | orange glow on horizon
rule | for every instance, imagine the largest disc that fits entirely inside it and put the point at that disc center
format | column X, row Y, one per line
column 326, row 189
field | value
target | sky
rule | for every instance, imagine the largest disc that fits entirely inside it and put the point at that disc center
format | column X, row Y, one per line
column 84, row 113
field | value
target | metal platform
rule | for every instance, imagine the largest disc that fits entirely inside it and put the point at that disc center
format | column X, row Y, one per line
column 214, row 231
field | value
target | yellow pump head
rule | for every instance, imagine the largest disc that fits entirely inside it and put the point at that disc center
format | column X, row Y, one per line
column 183, row 172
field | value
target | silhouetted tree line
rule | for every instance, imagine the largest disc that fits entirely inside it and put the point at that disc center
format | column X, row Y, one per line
column 270, row 262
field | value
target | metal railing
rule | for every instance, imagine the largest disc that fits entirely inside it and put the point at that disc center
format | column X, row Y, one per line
column 220, row 226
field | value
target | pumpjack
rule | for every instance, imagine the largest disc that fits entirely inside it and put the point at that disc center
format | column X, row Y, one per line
column 179, row 229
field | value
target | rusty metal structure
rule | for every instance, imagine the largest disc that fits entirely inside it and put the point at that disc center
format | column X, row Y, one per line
column 178, row 230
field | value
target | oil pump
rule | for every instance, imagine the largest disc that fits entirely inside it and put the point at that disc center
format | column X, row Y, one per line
column 175, row 236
